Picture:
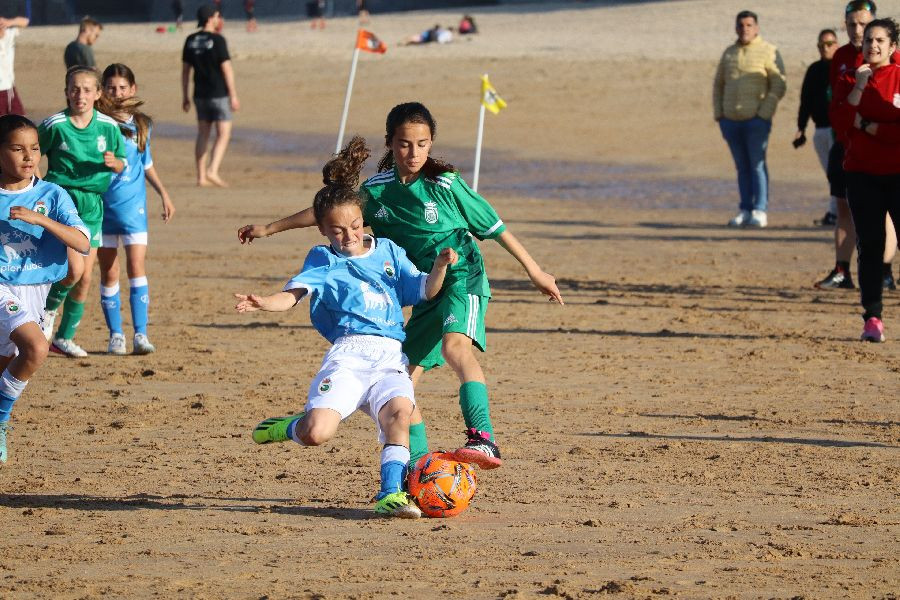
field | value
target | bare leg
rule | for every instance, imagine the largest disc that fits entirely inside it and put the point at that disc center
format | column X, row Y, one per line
column 108, row 258
column 223, row 136
column 136, row 254
column 318, row 426
column 890, row 243
column 80, row 292
column 844, row 232
column 200, row 151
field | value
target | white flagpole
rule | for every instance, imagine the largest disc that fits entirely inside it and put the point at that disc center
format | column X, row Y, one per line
column 340, row 139
column 478, row 148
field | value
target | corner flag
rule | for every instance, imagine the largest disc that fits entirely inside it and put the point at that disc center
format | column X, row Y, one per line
column 489, row 97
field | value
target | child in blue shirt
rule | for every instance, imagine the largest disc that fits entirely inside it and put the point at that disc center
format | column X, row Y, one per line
column 357, row 287
column 39, row 225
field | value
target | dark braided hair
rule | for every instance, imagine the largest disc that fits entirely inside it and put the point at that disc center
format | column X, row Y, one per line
column 341, row 176
column 411, row 112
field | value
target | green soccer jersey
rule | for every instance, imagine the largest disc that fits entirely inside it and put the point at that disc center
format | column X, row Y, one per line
column 75, row 156
column 428, row 215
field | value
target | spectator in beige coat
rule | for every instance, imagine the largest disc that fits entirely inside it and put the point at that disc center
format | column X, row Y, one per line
column 749, row 83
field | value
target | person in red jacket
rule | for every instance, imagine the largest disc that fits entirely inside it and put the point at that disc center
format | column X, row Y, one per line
column 869, row 118
column 857, row 14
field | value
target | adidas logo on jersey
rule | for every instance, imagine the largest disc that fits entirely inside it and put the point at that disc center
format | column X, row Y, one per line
column 64, row 146
column 450, row 320
column 381, row 213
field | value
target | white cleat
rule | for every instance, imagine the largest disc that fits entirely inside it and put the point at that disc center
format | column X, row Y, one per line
column 117, row 345
column 68, row 348
column 142, row 344
column 741, row 219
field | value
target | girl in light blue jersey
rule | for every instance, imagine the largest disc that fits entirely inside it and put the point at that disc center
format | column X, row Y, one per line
column 38, row 226
column 357, row 286
column 125, row 215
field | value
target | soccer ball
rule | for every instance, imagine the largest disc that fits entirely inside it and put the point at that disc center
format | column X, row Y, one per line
column 441, row 486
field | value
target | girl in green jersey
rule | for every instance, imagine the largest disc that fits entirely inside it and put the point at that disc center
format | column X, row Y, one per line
column 82, row 146
column 422, row 205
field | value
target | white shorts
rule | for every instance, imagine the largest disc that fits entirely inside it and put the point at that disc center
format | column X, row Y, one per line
column 19, row 304
column 111, row 240
column 361, row 372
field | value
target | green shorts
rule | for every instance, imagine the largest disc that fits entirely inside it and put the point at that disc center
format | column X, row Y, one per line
column 90, row 210
column 454, row 311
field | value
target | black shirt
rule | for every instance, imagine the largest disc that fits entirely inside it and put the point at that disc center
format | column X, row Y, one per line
column 815, row 95
column 206, row 52
column 80, row 54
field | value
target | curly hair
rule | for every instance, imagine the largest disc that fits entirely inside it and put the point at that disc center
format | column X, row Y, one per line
column 341, row 176
column 411, row 112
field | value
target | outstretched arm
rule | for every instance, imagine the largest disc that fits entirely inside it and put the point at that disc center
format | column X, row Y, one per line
column 304, row 218
column 545, row 282
column 155, row 182
column 274, row 303
column 70, row 236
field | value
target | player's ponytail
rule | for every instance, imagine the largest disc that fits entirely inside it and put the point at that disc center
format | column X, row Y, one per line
column 341, row 176
column 127, row 106
column 412, row 112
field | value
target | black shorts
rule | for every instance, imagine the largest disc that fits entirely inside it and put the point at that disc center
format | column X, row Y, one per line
column 837, row 181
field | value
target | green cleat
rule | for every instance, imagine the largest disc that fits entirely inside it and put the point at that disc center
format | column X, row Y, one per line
column 399, row 505
column 4, row 428
column 274, row 429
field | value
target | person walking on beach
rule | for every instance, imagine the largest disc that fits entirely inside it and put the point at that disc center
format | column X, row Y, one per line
column 215, row 96
column 749, row 83
column 869, row 117
column 847, row 58
column 815, row 95
column 79, row 52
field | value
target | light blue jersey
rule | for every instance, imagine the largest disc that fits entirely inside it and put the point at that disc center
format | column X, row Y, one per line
column 31, row 254
column 125, row 202
column 360, row 295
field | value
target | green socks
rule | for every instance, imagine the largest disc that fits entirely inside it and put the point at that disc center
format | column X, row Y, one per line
column 57, row 294
column 72, row 313
column 418, row 442
column 473, row 400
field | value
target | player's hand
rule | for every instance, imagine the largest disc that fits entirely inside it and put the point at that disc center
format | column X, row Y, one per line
column 21, row 213
column 113, row 163
column 185, row 105
column 248, row 303
column 235, row 104
column 248, row 233
column 168, row 208
column 546, row 283
column 862, row 75
column 447, row 256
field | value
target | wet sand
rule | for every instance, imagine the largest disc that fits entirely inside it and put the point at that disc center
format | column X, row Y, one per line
column 697, row 421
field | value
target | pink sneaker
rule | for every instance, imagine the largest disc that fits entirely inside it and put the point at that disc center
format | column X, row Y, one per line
column 873, row 330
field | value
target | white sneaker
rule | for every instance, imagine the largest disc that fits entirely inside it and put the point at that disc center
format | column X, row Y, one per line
column 67, row 347
column 740, row 219
column 142, row 344
column 47, row 323
column 757, row 219
column 117, row 345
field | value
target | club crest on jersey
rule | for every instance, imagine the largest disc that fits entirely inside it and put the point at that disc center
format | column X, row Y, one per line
column 64, row 147
column 388, row 268
column 325, row 385
column 12, row 307
column 101, row 143
column 897, row 100
column 40, row 207
column 431, row 213
column 381, row 213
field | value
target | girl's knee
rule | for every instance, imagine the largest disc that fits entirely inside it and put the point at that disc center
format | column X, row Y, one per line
column 314, row 435
column 34, row 350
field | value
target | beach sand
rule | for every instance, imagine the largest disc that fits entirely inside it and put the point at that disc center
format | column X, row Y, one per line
column 696, row 421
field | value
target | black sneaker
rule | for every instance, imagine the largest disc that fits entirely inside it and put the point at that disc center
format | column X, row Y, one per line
column 837, row 279
column 479, row 450
column 829, row 220
column 889, row 283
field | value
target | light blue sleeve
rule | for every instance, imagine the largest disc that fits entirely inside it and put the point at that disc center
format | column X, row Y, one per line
column 64, row 212
column 312, row 276
column 410, row 281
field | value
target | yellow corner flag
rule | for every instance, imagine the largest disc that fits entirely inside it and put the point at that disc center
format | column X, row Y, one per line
column 489, row 97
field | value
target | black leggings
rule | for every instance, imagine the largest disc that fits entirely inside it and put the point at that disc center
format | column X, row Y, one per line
column 871, row 198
